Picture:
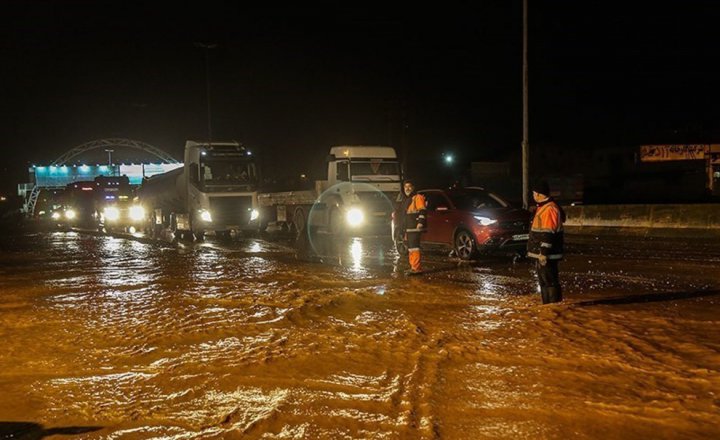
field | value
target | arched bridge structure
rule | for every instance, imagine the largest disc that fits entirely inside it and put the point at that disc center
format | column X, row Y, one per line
column 62, row 171
column 114, row 143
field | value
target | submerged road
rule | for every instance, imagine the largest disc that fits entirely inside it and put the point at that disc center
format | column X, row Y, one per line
column 114, row 338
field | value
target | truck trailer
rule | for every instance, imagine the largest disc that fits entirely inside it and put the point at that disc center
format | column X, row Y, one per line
column 358, row 196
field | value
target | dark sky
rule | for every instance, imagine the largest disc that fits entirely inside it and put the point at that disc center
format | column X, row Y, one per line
column 291, row 82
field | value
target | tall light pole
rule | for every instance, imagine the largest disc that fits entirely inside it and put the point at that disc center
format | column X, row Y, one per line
column 525, row 141
column 207, row 48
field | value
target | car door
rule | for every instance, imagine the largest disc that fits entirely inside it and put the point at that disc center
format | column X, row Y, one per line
column 438, row 217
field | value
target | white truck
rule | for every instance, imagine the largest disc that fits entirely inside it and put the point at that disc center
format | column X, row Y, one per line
column 215, row 190
column 359, row 195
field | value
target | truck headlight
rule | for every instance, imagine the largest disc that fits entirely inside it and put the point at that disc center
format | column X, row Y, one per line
column 355, row 217
column 254, row 214
column 205, row 215
column 485, row 221
column 55, row 216
column 111, row 213
column 137, row 213
column 70, row 214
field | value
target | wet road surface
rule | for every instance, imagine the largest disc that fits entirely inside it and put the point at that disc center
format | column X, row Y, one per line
column 111, row 337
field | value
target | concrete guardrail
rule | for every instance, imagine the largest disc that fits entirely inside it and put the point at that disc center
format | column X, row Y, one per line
column 691, row 218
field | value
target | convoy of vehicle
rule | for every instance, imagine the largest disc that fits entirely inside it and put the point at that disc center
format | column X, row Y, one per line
column 216, row 191
column 470, row 221
column 105, row 203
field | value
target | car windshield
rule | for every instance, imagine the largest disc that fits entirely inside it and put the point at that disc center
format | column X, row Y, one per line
column 475, row 199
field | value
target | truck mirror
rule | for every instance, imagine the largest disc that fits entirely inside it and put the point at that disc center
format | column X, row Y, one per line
column 330, row 158
column 194, row 173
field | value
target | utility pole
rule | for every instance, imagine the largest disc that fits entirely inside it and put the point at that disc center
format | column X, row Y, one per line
column 207, row 48
column 525, row 141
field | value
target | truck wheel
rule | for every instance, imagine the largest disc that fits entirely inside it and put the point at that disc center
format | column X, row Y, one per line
column 222, row 235
column 263, row 225
column 337, row 224
column 199, row 235
column 464, row 245
column 298, row 220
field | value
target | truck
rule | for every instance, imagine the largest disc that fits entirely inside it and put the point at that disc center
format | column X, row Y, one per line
column 214, row 191
column 105, row 203
column 358, row 196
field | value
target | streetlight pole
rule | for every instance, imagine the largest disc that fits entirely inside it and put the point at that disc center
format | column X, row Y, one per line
column 207, row 48
column 525, row 141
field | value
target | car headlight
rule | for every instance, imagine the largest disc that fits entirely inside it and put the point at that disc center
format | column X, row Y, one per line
column 137, row 213
column 111, row 213
column 355, row 217
column 254, row 214
column 70, row 214
column 55, row 216
column 485, row 221
column 205, row 215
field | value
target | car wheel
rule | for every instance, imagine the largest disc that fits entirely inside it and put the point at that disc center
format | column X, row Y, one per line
column 465, row 247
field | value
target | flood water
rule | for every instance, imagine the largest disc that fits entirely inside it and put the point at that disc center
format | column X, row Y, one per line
column 115, row 338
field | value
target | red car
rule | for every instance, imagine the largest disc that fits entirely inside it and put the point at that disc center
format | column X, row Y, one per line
column 471, row 220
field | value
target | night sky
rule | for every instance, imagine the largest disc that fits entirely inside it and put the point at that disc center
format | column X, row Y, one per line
column 291, row 82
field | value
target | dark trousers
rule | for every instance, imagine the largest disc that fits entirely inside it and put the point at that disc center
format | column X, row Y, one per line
column 549, row 281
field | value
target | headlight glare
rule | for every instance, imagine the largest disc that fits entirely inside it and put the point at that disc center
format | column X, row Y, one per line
column 485, row 221
column 137, row 213
column 254, row 214
column 111, row 213
column 355, row 217
column 70, row 214
column 205, row 215
column 55, row 215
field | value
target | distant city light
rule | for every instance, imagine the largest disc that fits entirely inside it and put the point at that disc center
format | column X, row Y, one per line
column 449, row 158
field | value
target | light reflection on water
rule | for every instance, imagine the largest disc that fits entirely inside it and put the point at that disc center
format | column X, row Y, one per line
column 237, row 344
column 356, row 250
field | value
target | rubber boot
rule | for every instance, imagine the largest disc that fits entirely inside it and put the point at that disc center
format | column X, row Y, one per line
column 544, row 294
column 414, row 259
column 554, row 294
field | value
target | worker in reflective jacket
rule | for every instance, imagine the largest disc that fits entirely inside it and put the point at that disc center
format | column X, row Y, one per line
column 545, row 243
column 413, row 206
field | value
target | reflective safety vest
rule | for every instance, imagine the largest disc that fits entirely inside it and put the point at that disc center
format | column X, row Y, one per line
column 415, row 212
column 546, row 233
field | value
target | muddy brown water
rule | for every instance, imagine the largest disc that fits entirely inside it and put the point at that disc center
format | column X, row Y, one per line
column 113, row 338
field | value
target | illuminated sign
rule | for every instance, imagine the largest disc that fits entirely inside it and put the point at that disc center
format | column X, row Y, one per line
column 661, row 153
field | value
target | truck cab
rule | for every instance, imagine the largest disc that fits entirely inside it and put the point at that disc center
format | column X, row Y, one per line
column 363, row 184
column 215, row 190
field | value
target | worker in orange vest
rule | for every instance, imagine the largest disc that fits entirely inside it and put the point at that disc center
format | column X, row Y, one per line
column 413, row 206
column 545, row 243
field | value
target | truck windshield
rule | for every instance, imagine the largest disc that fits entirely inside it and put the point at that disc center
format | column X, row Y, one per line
column 223, row 172
column 368, row 168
